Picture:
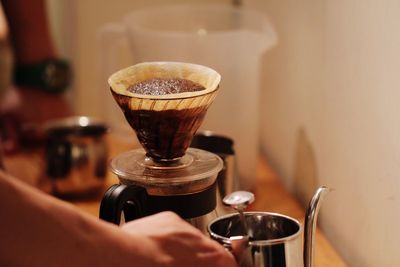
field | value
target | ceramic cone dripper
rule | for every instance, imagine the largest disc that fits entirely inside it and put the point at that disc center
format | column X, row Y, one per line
column 165, row 124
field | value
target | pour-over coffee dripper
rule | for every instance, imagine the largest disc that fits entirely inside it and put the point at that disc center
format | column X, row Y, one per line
column 165, row 174
column 165, row 124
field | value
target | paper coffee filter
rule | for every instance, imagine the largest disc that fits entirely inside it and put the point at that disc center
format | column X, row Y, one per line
column 207, row 77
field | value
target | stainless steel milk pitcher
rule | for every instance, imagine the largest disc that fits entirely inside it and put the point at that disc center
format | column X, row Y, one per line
column 272, row 239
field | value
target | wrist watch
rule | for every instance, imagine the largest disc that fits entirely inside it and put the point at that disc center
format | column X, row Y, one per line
column 50, row 75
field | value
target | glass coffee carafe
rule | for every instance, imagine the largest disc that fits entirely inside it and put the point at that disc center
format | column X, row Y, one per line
column 165, row 174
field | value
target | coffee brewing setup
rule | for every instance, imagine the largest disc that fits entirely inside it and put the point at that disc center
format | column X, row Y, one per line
column 166, row 174
column 169, row 175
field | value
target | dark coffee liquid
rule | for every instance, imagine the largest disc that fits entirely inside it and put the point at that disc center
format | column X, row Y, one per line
column 165, row 134
column 158, row 86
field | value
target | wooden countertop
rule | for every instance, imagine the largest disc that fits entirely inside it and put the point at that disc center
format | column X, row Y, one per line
column 270, row 193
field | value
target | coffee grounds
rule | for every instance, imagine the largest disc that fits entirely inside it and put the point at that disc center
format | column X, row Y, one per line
column 164, row 86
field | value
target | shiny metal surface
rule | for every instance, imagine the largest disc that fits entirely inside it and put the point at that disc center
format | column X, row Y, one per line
column 239, row 200
column 275, row 239
column 76, row 155
column 228, row 177
column 272, row 239
column 311, row 223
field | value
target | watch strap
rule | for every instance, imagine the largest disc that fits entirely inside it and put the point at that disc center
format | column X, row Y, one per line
column 50, row 75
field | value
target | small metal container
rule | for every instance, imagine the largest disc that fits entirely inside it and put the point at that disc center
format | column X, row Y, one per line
column 228, row 178
column 270, row 239
column 76, row 155
column 275, row 240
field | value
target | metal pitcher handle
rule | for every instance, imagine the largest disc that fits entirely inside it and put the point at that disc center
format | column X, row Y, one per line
column 310, row 225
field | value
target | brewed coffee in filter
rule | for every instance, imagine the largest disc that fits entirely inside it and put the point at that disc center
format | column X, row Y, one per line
column 165, row 103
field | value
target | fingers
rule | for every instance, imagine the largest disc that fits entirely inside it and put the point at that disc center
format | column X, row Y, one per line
column 217, row 254
column 180, row 242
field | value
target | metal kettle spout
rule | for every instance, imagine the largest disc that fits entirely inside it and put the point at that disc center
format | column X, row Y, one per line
column 311, row 223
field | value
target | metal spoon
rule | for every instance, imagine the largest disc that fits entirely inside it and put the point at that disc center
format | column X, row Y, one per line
column 239, row 201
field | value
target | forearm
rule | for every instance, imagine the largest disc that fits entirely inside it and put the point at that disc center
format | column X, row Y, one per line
column 38, row 230
column 29, row 30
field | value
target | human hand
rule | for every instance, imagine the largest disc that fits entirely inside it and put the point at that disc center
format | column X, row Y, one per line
column 174, row 242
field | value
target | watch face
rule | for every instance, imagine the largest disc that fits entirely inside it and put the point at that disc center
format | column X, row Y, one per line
column 57, row 76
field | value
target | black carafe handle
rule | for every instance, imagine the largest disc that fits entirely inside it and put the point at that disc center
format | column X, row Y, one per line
column 123, row 198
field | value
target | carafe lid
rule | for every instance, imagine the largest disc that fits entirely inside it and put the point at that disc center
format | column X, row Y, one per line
column 194, row 172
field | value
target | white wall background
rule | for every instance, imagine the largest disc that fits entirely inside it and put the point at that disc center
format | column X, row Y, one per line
column 330, row 112
column 331, row 115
